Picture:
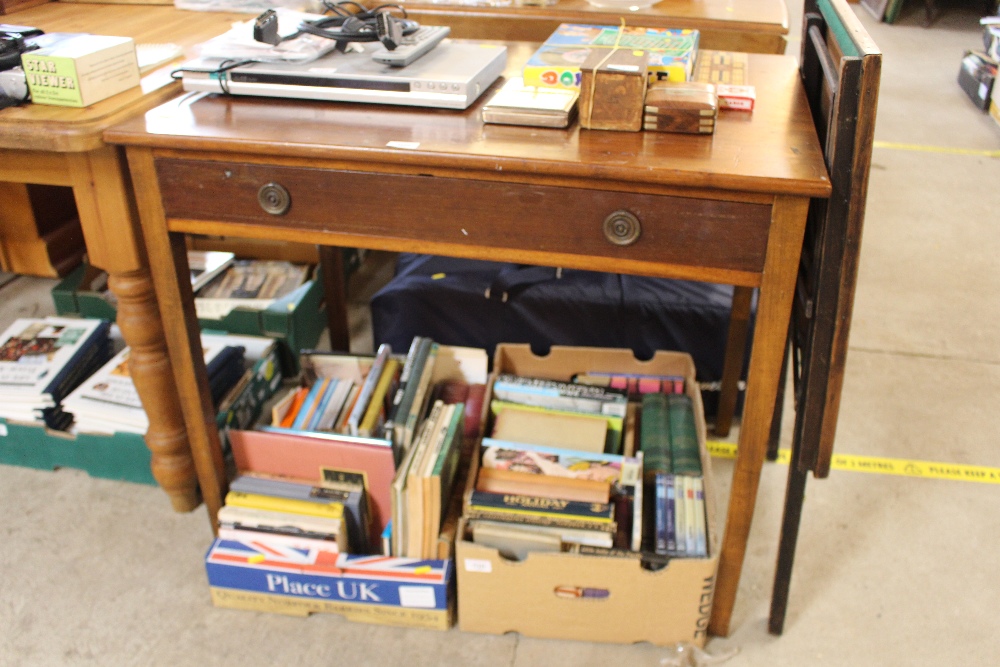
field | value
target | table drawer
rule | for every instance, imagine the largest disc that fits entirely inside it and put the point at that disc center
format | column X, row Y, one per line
column 510, row 216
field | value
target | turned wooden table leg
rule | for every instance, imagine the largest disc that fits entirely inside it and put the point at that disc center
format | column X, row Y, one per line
column 139, row 320
column 114, row 243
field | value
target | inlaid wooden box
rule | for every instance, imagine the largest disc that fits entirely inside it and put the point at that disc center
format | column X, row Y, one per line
column 613, row 89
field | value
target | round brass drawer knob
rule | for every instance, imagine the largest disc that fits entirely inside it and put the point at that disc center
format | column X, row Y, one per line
column 622, row 228
column 274, row 199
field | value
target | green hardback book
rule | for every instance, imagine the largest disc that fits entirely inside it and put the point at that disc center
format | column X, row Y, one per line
column 686, row 459
column 654, row 436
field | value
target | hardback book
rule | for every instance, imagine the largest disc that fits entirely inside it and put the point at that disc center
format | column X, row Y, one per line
column 374, row 415
column 546, row 486
column 409, row 376
column 670, row 52
column 206, row 265
column 551, row 428
column 540, row 511
column 654, row 436
column 440, row 474
column 684, row 450
column 259, row 501
column 398, row 500
column 107, row 401
column 613, row 440
column 420, row 403
column 368, row 388
column 41, row 359
column 555, row 461
column 537, row 106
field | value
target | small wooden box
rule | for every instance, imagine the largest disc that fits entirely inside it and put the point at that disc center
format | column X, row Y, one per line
column 688, row 107
column 613, row 89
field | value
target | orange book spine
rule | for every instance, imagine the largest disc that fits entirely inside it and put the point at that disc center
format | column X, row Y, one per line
column 293, row 409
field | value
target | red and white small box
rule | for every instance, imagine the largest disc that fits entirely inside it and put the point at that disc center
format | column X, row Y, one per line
column 735, row 98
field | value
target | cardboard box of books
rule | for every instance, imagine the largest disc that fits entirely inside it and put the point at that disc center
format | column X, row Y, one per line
column 277, row 299
column 410, row 592
column 323, row 481
column 671, row 52
column 555, row 558
column 295, row 319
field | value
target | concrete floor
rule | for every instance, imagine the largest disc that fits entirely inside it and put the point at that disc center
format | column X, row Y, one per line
column 890, row 570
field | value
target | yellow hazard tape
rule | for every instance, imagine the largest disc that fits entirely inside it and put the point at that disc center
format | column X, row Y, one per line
column 936, row 149
column 883, row 466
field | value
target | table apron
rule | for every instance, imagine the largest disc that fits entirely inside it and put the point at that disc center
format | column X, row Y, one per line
column 518, row 217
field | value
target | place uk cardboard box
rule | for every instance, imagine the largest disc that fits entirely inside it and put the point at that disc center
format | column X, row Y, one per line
column 664, row 607
column 82, row 70
column 408, row 592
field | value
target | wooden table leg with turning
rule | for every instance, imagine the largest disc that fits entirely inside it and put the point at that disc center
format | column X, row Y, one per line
column 99, row 181
column 114, row 243
column 777, row 286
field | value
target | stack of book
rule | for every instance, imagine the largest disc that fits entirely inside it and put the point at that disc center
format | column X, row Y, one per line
column 262, row 509
column 563, row 469
column 423, row 484
column 248, row 283
column 552, row 473
column 673, row 476
column 421, row 406
column 349, row 396
column 107, row 401
column 42, row 360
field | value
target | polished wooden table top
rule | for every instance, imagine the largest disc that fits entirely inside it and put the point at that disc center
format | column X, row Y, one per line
column 63, row 129
column 773, row 150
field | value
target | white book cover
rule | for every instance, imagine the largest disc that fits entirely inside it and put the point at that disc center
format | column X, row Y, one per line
column 35, row 353
column 108, row 402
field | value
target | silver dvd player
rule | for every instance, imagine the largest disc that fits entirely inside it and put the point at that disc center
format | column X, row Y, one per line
column 450, row 76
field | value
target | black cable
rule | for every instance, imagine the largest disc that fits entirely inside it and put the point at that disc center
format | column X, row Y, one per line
column 363, row 25
column 223, row 67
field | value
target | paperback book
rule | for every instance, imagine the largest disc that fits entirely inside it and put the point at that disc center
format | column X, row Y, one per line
column 42, row 360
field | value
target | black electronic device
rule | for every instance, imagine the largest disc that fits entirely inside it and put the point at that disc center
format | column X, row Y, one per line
column 15, row 40
column 343, row 26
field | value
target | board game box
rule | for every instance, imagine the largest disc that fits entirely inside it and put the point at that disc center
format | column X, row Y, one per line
column 671, row 52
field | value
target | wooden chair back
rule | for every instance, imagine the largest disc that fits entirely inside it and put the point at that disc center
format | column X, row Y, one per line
column 840, row 67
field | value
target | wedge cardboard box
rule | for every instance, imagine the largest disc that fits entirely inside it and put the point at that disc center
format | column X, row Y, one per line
column 587, row 597
column 407, row 592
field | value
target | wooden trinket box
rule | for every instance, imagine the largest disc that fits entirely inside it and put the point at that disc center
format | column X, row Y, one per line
column 688, row 107
column 613, row 89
